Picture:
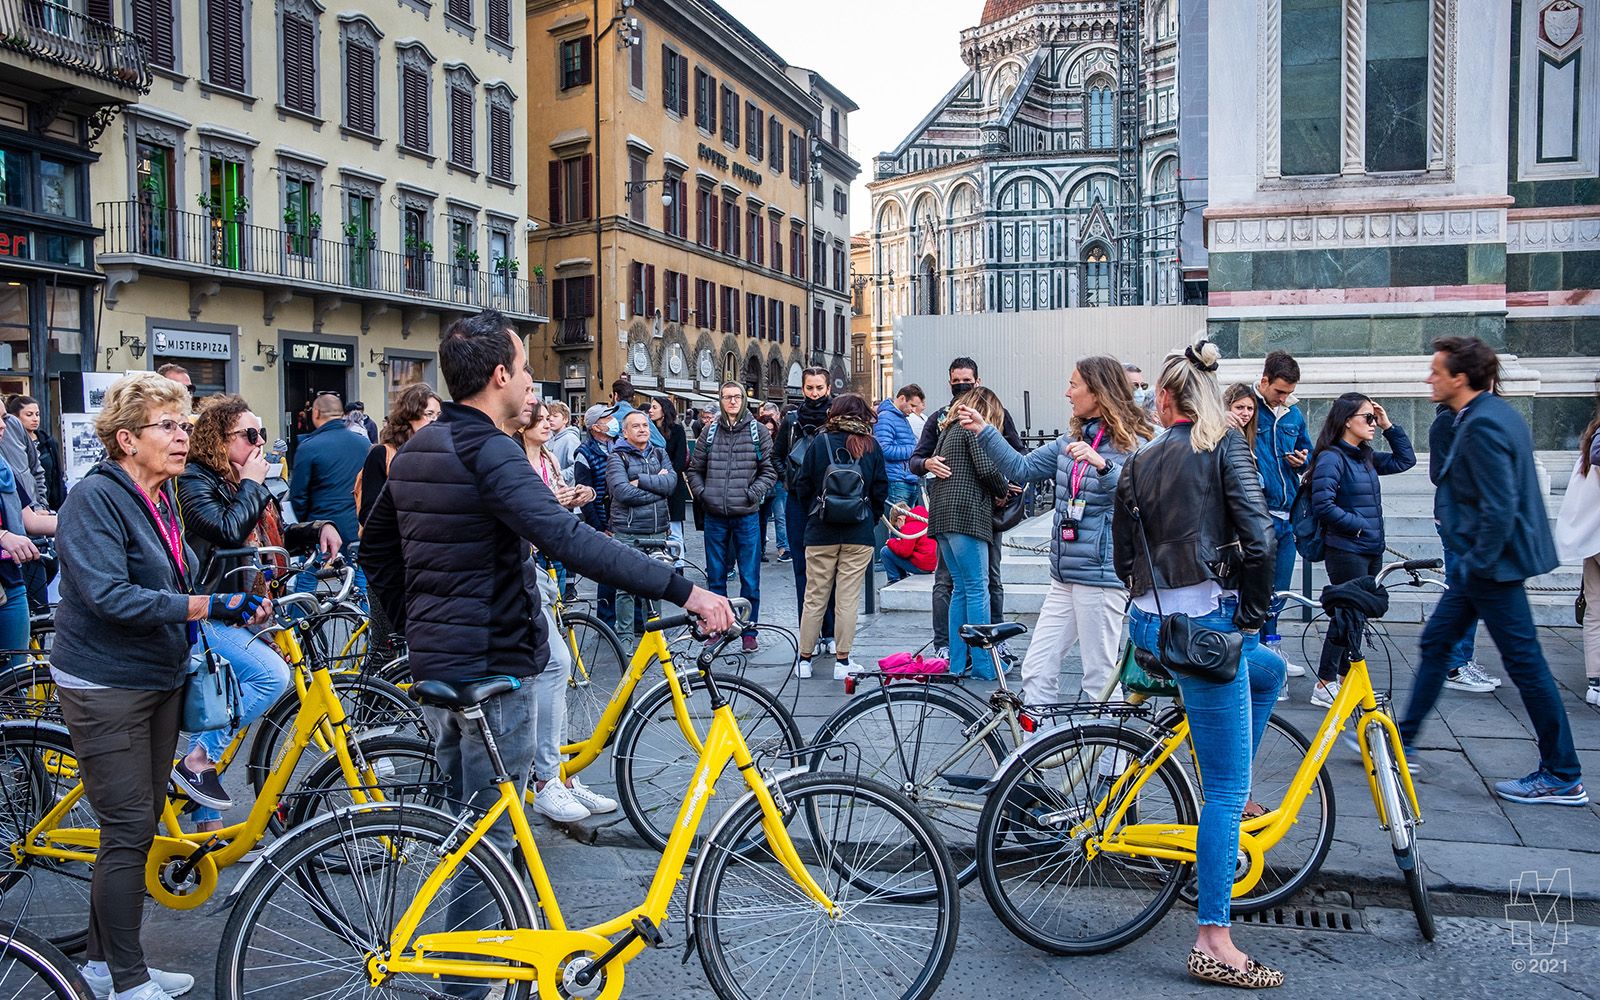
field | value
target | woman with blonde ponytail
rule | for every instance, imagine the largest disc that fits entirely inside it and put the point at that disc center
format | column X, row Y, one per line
column 1192, row 535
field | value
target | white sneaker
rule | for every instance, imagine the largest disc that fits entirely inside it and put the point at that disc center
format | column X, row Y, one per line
column 1592, row 696
column 1283, row 693
column 941, row 652
column 1471, row 677
column 826, row 647
column 591, row 799
column 802, row 669
column 844, row 669
column 1275, row 643
column 160, row 986
column 1324, row 692
column 556, row 801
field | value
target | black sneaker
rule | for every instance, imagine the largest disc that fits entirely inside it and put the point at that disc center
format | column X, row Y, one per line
column 203, row 787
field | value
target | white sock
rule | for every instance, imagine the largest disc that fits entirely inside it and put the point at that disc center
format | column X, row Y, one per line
column 97, row 968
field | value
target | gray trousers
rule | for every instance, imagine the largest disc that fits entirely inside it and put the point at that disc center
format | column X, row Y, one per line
column 124, row 741
column 943, row 587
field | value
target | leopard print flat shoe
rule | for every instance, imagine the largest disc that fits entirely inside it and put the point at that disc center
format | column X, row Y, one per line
column 1254, row 977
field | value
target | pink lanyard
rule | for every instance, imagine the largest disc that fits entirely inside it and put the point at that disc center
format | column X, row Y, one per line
column 1081, row 469
column 171, row 534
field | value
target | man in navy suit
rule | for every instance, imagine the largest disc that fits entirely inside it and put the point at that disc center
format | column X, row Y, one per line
column 1493, row 523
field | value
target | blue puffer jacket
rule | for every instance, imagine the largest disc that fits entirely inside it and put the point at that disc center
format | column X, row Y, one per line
column 1275, row 437
column 1088, row 560
column 896, row 441
column 1345, row 496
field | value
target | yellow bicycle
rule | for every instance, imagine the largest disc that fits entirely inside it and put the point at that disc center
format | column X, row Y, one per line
column 816, row 885
column 51, row 833
column 1089, row 832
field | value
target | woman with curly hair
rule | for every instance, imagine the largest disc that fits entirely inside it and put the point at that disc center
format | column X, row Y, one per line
column 224, row 504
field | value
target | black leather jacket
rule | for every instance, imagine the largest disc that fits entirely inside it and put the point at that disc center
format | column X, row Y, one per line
column 1206, row 518
column 218, row 514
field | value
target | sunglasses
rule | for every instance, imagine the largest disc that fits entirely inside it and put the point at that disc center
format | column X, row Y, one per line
column 250, row 434
column 1139, row 385
column 1370, row 418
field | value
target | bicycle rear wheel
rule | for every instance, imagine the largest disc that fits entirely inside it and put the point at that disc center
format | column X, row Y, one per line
column 1401, row 822
column 37, row 768
column 32, row 968
column 907, row 736
column 655, row 764
column 1038, row 839
column 306, row 918
column 598, row 663
column 759, row 935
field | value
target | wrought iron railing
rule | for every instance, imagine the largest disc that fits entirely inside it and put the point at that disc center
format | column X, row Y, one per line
column 305, row 258
column 574, row 333
column 58, row 34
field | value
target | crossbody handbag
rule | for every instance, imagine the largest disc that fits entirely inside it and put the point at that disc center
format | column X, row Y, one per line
column 1184, row 647
column 210, row 692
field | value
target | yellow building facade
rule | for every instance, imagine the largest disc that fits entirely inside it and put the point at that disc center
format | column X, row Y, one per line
column 307, row 196
column 672, row 158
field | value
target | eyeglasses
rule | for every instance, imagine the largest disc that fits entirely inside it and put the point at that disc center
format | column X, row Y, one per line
column 168, row 426
column 1370, row 418
column 736, row 395
column 250, row 434
column 1139, row 385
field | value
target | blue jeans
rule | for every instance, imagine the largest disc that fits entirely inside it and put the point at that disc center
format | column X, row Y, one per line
column 897, row 567
column 907, row 491
column 735, row 540
column 305, row 583
column 1226, row 722
column 15, row 627
column 263, row 678
column 1283, row 570
column 1503, row 608
column 968, row 559
column 1467, row 648
column 797, row 516
column 775, row 509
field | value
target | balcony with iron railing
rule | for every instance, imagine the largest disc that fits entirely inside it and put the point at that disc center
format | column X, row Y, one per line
column 193, row 244
column 572, row 335
column 58, row 36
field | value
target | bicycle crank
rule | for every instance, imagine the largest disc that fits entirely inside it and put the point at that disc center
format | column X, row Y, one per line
column 175, row 877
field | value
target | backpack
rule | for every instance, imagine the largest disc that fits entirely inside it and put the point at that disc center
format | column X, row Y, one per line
column 796, row 459
column 843, row 500
column 755, row 437
column 1308, row 539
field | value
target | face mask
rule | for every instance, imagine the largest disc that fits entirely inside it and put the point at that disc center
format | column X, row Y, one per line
column 1144, row 397
column 960, row 389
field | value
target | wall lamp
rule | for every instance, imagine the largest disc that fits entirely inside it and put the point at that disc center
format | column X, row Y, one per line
column 267, row 351
column 634, row 187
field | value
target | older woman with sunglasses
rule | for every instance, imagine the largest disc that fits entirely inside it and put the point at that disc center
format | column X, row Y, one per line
column 225, row 504
column 124, row 629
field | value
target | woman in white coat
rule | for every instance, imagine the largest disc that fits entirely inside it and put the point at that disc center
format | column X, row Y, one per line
column 1578, row 537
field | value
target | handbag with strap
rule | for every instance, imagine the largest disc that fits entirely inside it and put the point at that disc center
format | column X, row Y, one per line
column 1010, row 513
column 1184, row 647
column 210, row 692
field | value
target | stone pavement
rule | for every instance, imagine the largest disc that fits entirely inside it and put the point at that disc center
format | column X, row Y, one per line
column 1473, row 846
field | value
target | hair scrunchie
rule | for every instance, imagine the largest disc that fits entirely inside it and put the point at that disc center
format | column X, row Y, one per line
column 1194, row 358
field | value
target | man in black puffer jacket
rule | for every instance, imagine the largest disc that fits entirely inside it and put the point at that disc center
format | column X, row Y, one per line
column 446, row 541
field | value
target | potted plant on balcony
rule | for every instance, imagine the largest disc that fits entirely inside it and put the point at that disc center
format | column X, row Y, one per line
column 241, row 205
column 419, row 247
column 209, row 204
column 538, row 271
column 291, row 219
column 508, row 266
column 466, row 256
column 314, row 224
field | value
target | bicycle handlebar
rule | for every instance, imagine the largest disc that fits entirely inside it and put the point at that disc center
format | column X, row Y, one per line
column 741, row 607
column 1411, row 566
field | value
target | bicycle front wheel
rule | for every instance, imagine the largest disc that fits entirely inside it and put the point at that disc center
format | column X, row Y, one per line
column 1402, row 823
column 305, row 921
column 1040, row 835
column 914, row 738
column 32, row 968
column 760, row 935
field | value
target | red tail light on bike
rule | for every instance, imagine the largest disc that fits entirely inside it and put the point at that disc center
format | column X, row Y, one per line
column 1027, row 722
column 850, row 684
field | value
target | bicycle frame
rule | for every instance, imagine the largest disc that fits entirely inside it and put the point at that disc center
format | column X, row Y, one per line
column 652, row 646
column 321, row 714
column 543, row 952
column 1257, row 835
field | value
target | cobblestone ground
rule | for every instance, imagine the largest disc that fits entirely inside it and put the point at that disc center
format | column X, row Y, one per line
column 1474, row 848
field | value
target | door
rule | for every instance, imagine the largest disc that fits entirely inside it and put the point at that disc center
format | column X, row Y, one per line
column 155, row 199
column 362, row 237
column 227, row 204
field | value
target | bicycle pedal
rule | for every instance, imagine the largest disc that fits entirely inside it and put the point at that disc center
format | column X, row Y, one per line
column 648, row 932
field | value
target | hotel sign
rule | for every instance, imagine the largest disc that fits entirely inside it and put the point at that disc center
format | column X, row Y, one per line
column 719, row 160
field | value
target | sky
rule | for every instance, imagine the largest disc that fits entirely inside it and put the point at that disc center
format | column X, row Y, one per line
column 895, row 58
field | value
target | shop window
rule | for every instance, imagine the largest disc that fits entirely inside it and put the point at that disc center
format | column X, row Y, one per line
column 14, row 172
column 58, row 189
column 404, row 373
column 16, row 313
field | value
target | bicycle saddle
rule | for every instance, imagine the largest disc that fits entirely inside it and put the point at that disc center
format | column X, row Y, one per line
column 989, row 636
column 463, row 694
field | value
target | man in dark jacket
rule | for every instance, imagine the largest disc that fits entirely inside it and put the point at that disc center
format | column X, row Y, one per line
column 639, row 479
column 1466, row 674
column 1493, row 522
column 800, row 425
column 446, row 543
column 924, row 462
column 589, row 469
column 322, row 487
column 731, row 474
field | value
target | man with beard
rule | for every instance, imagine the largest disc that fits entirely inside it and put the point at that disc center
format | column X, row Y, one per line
column 963, row 376
column 800, row 425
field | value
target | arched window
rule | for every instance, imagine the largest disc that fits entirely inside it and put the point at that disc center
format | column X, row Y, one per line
column 927, row 288
column 1096, row 276
column 1100, row 133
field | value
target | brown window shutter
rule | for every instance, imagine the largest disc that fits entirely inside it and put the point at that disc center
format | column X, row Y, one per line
column 225, row 43
column 151, row 20
column 100, row 10
column 588, row 187
column 414, row 94
column 649, row 289
column 634, row 270
column 461, row 10
column 588, row 296
column 683, row 86
column 299, row 64
column 716, row 221
column 499, row 142
column 461, row 138
column 555, row 193
column 499, row 20
column 359, row 87
column 668, row 64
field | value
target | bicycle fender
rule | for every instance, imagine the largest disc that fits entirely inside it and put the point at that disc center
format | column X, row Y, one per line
column 33, row 726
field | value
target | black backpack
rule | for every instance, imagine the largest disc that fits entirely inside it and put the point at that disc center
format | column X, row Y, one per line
column 843, row 500
column 1308, row 539
column 795, row 461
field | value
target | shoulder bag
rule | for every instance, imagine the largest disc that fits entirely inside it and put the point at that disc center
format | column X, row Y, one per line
column 1183, row 647
column 210, row 692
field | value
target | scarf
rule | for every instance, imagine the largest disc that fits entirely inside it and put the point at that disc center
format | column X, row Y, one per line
column 849, row 425
column 813, row 413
